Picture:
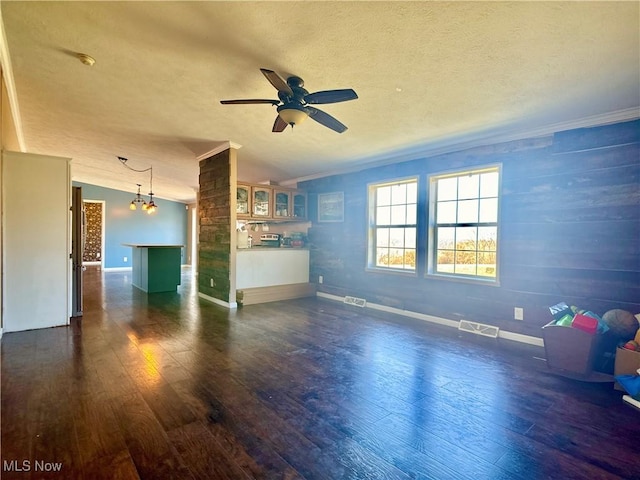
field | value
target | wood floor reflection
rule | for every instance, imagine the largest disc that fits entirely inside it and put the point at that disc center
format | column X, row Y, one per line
column 168, row 386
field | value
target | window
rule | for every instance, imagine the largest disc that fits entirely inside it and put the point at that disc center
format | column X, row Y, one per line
column 392, row 225
column 464, row 224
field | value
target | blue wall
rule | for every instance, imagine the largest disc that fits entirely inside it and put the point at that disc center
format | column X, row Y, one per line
column 167, row 225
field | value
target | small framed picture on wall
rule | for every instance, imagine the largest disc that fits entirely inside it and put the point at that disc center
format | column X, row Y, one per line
column 331, row 207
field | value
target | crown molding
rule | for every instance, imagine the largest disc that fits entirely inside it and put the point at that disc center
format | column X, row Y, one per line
column 220, row 148
column 479, row 139
column 7, row 74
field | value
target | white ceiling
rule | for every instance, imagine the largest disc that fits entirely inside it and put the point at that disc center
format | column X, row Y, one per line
column 429, row 75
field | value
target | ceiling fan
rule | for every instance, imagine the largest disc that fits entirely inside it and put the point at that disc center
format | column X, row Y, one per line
column 294, row 104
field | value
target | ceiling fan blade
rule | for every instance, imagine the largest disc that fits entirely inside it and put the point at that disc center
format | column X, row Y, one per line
column 279, row 125
column 331, row 96
column 249, row 101
column 326, row 119
column 277, row 81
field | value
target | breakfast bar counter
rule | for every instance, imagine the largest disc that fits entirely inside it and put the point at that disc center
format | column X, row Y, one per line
column 156, row 267
column 268, row 274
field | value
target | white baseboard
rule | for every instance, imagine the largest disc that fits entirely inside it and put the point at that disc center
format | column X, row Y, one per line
column 117, row 269
column 516, row 337
column 217, row 301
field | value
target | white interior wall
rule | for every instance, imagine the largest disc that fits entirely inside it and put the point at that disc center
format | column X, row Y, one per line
column 37, row 241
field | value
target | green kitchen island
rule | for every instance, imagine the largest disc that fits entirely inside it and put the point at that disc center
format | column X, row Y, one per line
column 156, row 267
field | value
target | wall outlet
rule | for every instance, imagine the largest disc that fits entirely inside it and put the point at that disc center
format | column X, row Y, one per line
column 125, row 259
column 320, row 279
column 518, row 313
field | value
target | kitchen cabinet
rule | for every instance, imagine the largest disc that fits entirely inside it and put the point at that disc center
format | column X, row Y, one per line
column 270, row 203
column 261, row 202
column 282, row 204
column 243, row 197
column 299, row 204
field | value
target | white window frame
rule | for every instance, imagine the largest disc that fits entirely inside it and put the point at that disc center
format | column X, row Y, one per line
column 373, row 226
column 432, row 246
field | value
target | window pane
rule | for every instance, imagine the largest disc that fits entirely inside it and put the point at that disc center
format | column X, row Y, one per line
column 410, row 237
column 396, row 237
column 383, row 196
column 487, row 239
column 489, row 184
column 468, row 211
column 445, row 261
column 466, row 238
column 468, row 186
column 382, row 257
column 383, row 215
column 465, row 262
column 382, row 237
column 447, row 189
column 489, row 210
column 410, row 258
column 399, row 194
column 446, row 237
column 398, row 214
column 396, row 257
column 412, row 214
column 412, row 192
column 487, row 264
column 446, row 212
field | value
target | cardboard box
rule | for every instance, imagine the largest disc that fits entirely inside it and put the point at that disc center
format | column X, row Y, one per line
column 627, row 363
column 570, row 349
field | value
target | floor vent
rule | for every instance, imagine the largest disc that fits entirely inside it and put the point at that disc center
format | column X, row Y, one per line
column 478, row 328
column 358, row 302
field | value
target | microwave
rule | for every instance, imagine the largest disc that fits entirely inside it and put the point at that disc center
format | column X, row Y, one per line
column 270, row 240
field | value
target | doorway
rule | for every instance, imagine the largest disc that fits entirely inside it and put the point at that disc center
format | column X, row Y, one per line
column 94, row 232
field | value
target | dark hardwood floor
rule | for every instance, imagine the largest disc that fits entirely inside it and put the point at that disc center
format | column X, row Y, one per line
column 168, row 386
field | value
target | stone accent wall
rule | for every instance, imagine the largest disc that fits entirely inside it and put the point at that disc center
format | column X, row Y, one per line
column 214, row 209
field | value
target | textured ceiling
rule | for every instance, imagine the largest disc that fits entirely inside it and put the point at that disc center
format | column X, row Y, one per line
column 428, row 75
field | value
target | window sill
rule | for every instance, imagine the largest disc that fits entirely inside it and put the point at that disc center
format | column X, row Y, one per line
column 392, row 271
column 461, row 279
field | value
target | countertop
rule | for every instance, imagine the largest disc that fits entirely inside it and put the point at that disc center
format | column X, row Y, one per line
column 150, row 245
column 275, row 249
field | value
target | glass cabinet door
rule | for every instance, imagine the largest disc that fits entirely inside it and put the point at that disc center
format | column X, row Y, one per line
column 300, row 205
column 281, row 204
column 242, row 202
column 261, row 202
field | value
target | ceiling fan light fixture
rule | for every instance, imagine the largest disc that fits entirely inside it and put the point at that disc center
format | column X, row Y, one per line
column 87, row 60
column 295, row 103
column 292, row 115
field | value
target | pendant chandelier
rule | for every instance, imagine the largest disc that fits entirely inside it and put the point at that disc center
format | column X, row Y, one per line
column 138, row 201
column 150, row 207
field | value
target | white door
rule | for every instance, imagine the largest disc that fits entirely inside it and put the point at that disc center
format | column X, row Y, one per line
column 37, row 241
